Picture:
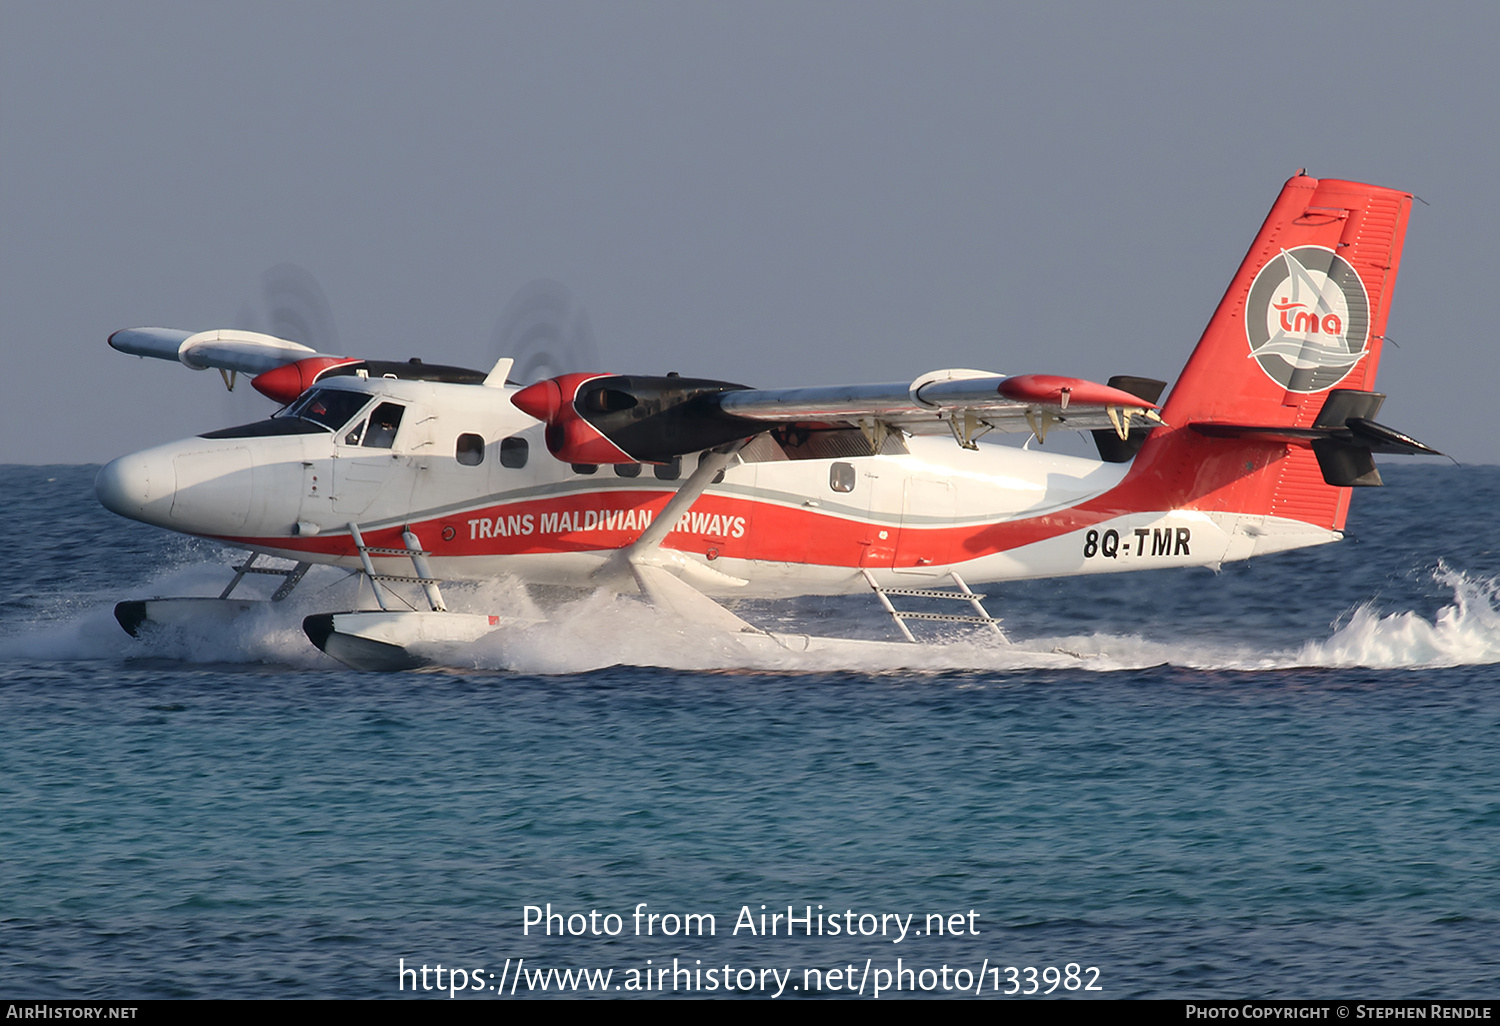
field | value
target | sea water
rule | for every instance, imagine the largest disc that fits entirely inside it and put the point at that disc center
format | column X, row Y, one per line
column 1278, row 780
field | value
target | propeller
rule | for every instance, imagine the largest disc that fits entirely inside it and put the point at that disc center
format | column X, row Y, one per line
column 294, row 307
column 288, row 339
column 545, row 333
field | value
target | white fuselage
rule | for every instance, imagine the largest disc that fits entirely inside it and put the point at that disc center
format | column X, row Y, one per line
column 470, row 475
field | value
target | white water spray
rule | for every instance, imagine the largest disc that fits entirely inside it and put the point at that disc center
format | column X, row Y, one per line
column 605, row 629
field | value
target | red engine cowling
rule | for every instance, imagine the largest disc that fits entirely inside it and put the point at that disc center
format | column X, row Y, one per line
column 613, row 418
column 570, row 437
column 290, row 380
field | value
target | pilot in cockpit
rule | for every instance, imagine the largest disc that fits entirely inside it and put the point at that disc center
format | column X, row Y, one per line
column 383, row 424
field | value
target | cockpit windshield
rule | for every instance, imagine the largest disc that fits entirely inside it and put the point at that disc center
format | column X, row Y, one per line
column 329, row 407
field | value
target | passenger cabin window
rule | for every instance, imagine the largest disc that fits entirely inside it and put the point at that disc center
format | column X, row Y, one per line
column 384, row 422
column 627, row 470
column 585, row 468
column 668, row 471
column 513, row 452
column 470, row 451
column 841, row 477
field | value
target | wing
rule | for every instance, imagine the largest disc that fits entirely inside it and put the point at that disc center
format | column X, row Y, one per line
column 246, row 351
column 609, row 418
column 283, row 369
column 933, row 403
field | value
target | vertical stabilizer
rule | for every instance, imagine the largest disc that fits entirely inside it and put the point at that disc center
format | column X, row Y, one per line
column 1304, row 315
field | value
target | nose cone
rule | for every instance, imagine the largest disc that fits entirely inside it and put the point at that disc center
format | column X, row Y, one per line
column 124, row 486
column 196, row 486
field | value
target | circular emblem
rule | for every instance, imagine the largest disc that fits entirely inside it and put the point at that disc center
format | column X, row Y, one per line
column 448, row 533
column 1307, row 319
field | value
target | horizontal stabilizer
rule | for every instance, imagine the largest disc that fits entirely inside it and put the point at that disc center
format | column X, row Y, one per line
column 1342, row 437
column 1381, row 439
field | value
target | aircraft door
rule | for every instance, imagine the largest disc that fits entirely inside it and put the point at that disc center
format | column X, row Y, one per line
column 881, row 483
column 365, row 460
column 928, row 507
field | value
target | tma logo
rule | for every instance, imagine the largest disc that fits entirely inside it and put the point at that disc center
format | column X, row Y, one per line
column 1295, row 318
column 1307, row 319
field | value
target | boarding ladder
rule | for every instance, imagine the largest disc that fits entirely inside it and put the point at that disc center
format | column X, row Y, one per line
column 291, row 576
column 414, row 552
column 980, row 618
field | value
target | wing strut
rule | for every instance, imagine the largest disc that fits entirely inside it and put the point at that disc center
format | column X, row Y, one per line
column 644, row 549
column 291, row 577
column 412, row 551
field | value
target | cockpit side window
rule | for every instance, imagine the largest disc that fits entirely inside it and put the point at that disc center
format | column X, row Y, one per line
column 384, row 422
column 331, row 408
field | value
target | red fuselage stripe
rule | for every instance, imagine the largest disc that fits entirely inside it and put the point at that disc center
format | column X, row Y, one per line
column 718, row 525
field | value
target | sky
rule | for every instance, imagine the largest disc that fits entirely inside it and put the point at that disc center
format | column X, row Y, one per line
column 770, row 193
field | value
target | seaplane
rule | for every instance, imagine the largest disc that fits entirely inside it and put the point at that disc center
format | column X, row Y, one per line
column 690, row 491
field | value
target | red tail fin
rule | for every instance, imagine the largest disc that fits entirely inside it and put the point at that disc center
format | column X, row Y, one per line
column 1306, row 313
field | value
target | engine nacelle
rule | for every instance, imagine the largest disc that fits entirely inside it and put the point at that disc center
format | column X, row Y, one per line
column 615, row 418
column 287, row 382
